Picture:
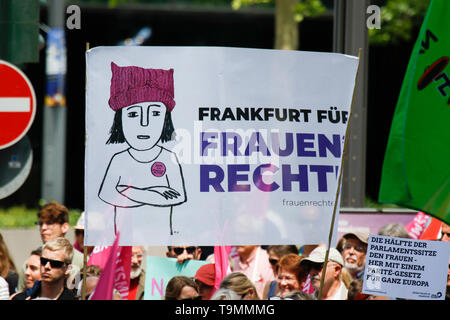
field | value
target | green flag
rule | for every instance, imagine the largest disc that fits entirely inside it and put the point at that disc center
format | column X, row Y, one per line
column 416, row 168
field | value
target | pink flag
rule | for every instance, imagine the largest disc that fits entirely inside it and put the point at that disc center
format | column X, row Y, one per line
column 105, row 286
column 115, row 262
column 222, row 264
column 99, row 256
column 123, row 271
column 418, row 225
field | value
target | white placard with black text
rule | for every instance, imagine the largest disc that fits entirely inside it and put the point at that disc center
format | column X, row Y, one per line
column 406, row 268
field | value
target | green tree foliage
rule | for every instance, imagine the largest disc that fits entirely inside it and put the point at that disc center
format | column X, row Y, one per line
column 399, row 18
column 303, row 8
column 309, row 8
column 288, row 14
column 23, row 217
column 115, row 3
column 237, row 4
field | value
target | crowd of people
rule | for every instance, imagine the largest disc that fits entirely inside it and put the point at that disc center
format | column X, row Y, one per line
column 276, row 272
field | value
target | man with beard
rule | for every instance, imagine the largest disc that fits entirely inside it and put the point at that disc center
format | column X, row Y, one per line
column 353, row 250
column 137, row 276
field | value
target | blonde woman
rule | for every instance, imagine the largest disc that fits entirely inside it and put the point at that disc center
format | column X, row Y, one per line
column 239, row 283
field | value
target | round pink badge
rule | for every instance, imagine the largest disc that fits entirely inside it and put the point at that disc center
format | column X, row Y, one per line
column 158, row 169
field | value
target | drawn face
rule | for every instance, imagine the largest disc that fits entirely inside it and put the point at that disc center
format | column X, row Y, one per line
column 142, row 124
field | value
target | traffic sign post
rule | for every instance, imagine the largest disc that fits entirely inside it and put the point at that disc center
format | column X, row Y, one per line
column 17, row 104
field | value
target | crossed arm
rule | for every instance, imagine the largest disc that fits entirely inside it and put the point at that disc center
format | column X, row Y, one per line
column 118, row 193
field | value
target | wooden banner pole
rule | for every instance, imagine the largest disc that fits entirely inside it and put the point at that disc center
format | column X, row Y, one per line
column 83, row 287
column 324, row 270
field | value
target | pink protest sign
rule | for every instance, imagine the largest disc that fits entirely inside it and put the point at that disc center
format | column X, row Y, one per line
column 115, row 262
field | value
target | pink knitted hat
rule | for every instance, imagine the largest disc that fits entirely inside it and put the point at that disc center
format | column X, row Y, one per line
column 130, row 85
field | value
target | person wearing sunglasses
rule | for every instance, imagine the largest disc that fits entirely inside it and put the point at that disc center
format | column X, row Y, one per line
column 183, row 253
column 353, row 250
column 445, row 232
column 53, row 222
column 55, row 267
column 334, row 287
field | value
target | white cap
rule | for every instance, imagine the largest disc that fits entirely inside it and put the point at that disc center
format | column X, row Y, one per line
column 318, row 256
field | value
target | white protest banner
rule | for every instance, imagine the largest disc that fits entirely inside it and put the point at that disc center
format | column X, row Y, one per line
column 214, row 146
column 406, row 268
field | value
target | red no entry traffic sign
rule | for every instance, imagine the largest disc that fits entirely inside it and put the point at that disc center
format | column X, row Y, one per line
column 17, row 104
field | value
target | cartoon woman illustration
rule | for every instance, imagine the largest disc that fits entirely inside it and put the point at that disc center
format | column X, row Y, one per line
column 145, row 174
